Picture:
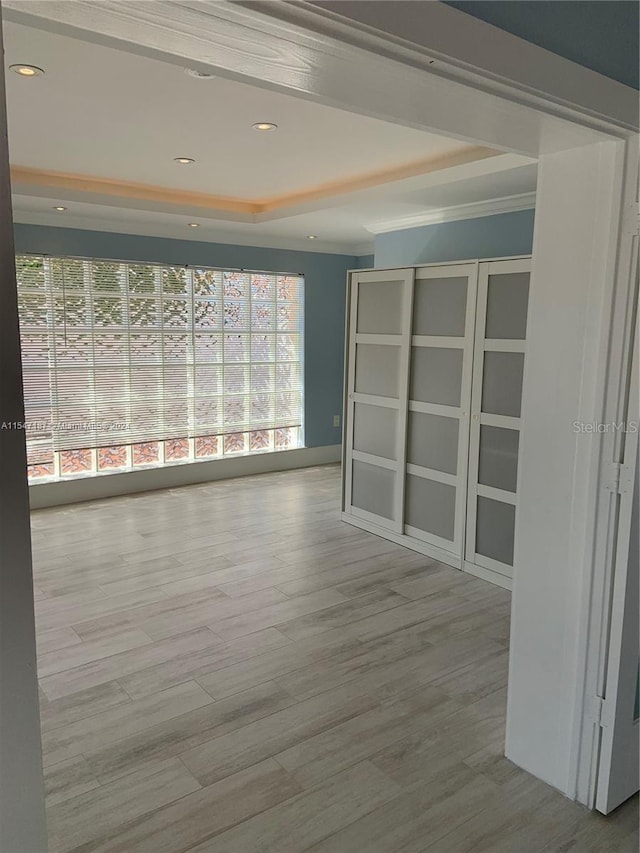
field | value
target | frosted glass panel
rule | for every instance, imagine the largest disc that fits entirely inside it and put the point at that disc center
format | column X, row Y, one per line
column 436, row 375
column 380, row 307
column 502, row 383
column 507, row 302
column 430, row 506
column 495, row 525
column 433, row 442
column 440, row 306
column 498, row 463
column 375, row 430
column 372, row 489
column 378, row 370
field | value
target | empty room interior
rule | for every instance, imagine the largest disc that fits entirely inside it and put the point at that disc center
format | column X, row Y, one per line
column 319, row 522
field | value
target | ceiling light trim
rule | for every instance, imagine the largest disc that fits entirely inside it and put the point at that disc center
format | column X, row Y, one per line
column 28, row 72
column 199, row 75
column 473, row 210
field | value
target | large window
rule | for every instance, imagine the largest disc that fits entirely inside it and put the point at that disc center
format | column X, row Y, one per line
column 129, row 366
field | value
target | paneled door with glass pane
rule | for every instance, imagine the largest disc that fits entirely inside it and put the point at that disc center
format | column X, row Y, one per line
column 375, row 427
column 438, row 407
column 501, row 326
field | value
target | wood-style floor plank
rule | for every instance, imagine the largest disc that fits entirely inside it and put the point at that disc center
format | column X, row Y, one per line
column 55, row 713
column 305, row 819
column 98, row 672
column 185, row 732
column 201, row 662
column 79, row 822
column 229, row 668
column 101, row 730
column 196, row 818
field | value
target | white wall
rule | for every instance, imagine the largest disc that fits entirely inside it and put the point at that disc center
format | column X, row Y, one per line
column 22, row 818
column 578, row 206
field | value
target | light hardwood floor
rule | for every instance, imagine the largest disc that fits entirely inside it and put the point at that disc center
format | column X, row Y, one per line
column 228, row 668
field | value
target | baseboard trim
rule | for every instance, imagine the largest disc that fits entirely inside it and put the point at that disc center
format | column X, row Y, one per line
column 406, row 541
column 487, row 575
column 44, row 495
column 429, row 550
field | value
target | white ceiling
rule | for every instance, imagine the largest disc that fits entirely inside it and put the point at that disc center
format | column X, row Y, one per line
column 105, row 113
column 112, row 114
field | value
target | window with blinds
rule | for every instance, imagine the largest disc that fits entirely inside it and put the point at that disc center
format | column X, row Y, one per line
column 141, row 365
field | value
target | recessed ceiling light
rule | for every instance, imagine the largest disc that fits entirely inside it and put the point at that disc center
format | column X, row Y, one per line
column 312, row 236
column 60, row 208
column 199, row 75
column 264, row 125
column 194, row 225
column 184, row 161
column 27, row 70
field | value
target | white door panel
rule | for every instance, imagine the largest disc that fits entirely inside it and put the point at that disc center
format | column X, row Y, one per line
column 496, row 400
column 441, row 362
column 376, row 409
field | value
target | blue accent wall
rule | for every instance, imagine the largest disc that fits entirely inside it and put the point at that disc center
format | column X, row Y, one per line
column 364, row 262
column 500, row 235
column 600, row 34
column 325, row 289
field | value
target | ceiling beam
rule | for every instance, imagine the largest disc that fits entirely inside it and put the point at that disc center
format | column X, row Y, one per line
column 241, row 43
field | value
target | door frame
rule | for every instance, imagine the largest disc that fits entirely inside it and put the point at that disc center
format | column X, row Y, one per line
column 615, row 357
column 366, row 58
column 617, row 698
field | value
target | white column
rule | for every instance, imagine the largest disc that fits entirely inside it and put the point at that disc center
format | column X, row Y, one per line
column 22, row 816
column 577, row 232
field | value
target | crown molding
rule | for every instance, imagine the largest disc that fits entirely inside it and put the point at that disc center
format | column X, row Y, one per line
column 507, row 204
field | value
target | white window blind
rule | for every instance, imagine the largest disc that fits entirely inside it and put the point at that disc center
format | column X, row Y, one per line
column 130, row 365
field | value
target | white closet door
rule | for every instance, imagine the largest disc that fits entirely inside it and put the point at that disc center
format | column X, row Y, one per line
column 501, row 325
column 438, row 411
column 379, row 321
